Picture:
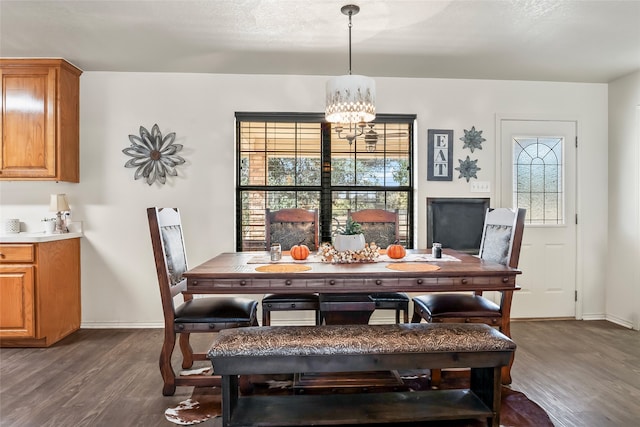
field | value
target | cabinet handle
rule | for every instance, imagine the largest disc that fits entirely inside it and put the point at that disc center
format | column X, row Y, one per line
column 419, row 281
column 378, row 282
column 332, row 282
column 1, row 255
column 505, row 279
column 243, row 282
column 464, row 281
column 288, row 282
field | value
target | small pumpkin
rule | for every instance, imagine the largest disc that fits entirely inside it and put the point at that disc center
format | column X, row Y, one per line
column 299, row 252
column 396, row 251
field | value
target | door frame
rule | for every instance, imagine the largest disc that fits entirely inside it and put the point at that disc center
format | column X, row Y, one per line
column 499, row 178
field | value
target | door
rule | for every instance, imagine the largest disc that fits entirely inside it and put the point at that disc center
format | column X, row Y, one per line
column 538, row 173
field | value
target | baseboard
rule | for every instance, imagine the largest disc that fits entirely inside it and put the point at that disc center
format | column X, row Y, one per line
column 122, row 325
column 618, row 321
column 540, row 319
column 376, row 319
column 601, row 316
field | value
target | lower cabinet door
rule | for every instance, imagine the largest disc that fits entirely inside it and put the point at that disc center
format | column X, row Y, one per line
column 17, row 302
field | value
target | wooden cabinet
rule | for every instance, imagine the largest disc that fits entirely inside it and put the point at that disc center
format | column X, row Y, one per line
column 39, row 292
column 40, row 120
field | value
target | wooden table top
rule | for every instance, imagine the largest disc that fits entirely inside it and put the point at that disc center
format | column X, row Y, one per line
column 232, row 272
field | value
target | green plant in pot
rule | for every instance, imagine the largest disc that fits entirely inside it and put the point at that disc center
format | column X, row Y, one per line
column 349, row 237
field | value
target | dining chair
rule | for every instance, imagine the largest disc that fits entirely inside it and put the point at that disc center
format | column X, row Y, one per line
column 501, row 241
column 382, row 227
column 291, row 227
column 192, row 315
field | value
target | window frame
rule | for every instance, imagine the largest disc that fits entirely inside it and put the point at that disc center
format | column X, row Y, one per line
column 326, row 188
column 540, row 165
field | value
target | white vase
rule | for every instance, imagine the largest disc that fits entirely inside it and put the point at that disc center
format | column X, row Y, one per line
column 353, row 242
column 49, row 226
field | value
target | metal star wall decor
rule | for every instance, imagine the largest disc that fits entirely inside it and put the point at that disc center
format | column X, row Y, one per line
column 468, row 168
column 154, row 156
column 472, row 139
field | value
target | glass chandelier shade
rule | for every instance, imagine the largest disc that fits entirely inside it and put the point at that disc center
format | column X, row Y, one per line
column 350, row 99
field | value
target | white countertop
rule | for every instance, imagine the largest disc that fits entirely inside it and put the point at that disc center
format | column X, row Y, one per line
column 37, row 237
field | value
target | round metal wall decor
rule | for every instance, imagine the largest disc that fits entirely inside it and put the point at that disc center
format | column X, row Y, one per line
column 153, row 156
column 472, row 139
column 468, row 168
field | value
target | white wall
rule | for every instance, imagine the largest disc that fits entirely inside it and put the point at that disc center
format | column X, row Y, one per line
column 623, row 275
column 119, row 287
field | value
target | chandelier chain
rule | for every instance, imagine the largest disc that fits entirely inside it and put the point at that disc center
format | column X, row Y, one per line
column 350, row 25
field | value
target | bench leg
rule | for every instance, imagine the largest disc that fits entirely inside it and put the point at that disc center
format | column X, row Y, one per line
column 229, row 397
column 486, row 384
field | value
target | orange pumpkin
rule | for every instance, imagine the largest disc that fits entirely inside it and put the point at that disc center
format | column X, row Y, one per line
column 299, row 252
column 396, row 251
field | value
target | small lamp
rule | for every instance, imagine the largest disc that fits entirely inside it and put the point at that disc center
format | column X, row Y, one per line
column 59, row 204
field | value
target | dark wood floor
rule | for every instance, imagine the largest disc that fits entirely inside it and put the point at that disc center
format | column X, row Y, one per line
column 584, row 374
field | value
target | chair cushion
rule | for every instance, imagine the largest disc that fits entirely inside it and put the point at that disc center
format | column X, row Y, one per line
column 389, row 297
column 382, row 233
column 496, row 244
column 457, row 305
column 217, row 310
column 289, row 234
column 174, row 252
column 291, row 298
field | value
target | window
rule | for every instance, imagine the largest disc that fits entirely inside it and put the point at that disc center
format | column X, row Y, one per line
column 538, row 178
column 298, row 161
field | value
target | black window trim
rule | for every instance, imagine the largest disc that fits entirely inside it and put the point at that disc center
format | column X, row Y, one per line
column 325, row 192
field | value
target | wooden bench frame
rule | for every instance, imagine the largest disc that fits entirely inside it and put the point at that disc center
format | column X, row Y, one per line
column 481, row 400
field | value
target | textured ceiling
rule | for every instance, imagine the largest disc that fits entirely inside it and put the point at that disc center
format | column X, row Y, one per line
column 581, row 41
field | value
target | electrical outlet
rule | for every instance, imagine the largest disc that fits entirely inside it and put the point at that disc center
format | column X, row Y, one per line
column 480, row 187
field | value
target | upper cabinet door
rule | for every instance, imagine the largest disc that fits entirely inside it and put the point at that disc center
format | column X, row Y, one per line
column 40, row 120
column 28, row 123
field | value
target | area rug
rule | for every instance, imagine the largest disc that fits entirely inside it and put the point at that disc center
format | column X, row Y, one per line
column 205, row 403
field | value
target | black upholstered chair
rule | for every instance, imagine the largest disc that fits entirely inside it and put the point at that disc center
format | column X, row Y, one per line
column 291, row 227
column 381, row 226
column 501, row 241
column 193, row 315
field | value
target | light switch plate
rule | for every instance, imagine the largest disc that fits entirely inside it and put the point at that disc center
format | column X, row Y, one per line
column 480, row 187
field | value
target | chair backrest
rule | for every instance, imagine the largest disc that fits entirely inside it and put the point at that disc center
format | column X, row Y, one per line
column 169, row 254
column 502, row 236
column 291, row 227
column 378, row 225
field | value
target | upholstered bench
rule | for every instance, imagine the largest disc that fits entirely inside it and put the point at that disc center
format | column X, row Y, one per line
column 349, row 348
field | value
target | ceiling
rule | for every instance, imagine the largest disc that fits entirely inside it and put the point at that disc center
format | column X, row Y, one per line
column 570, row 40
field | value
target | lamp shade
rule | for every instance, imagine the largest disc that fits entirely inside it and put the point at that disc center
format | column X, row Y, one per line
column 350, row 99
column 58, row 203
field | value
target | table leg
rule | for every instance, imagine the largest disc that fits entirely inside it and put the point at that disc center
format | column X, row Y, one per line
column 505, row 328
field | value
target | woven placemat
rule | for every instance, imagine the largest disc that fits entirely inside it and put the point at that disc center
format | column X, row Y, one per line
column 282, row 268
column 412, row 266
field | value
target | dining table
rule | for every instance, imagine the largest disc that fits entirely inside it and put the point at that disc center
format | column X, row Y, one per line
column 253, row 272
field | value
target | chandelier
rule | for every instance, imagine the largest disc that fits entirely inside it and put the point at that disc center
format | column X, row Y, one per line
column 350, row 98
